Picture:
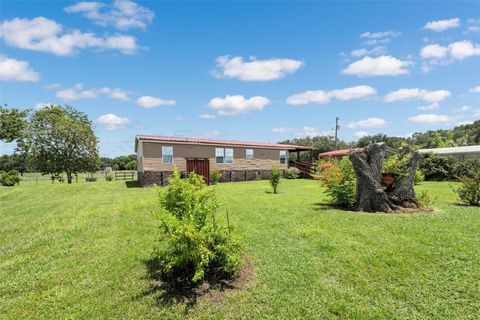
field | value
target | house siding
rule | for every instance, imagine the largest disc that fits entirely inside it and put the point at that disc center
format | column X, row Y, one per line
column 153, row 170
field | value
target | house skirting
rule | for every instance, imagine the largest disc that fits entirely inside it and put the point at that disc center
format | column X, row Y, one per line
column 160, row 178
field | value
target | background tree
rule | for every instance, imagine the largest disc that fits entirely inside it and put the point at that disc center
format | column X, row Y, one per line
column 61, row 139
column 12, row 124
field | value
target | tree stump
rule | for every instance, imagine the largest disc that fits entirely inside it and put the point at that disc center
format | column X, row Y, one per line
column 371, row 197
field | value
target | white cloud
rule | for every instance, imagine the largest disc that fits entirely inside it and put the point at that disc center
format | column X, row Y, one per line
column 473, row 29
column 121, row 14
column 351, row 93
column 16, row 70
column 435, row 54
column 476, row 113
column 151, row 102
column 416, row 93
column 45, row 35
column 77, row 92
column 380, row 66
column 206, row 116
column 237, row 104
column 442, row 25
column 433, row 51
column 112, row 122
column 303, row 132
column 379, row 35
column 475, row 89
column 432, row 118
column 315, row 96
column 322, row 97
column 463, row 109
column 255, row 70
column 431, row 106
column 364, row 51
column 361, row 134
column 115, row 93
column 367, row 123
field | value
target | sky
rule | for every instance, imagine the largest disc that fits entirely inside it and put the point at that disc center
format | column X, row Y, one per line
column 252, row 71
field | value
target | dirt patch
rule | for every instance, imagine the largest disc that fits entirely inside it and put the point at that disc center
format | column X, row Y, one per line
column 211, row 291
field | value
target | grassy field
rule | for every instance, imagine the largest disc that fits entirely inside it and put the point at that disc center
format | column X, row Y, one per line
column 81, row 251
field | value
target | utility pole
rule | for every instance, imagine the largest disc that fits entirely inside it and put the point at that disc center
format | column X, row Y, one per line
column 337, row 127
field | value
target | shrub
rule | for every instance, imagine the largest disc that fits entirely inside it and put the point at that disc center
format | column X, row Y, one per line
column 339, row 179
column 215, row 176
column 419, row 177
column 469, row 189
column 438, row 168
column 292, row 173
column 424, row 198
column 193, row 244
column 109, row 176
column 463, row 168
column 275, row 178
column 396, row 166
column 9, row 178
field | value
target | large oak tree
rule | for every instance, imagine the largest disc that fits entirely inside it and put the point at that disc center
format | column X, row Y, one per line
column 61, row 139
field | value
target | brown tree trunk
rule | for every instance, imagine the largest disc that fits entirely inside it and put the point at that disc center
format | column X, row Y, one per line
column 368, row 164
column 402, row 193
column 69, row 177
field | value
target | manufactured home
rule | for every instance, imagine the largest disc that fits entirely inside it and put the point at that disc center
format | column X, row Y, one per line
column 235, row 160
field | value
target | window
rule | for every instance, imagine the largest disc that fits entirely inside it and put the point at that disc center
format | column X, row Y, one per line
column 219, row 155
column 167, row 154
column 228, row 155
column 249, row 154
column 283, row 156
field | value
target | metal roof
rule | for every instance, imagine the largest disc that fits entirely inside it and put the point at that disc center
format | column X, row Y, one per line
column 220, row 142
column 335, row 153
column 452, row 150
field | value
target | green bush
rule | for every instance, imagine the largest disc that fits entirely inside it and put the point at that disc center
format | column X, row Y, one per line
column 292, row 173
column 463, row 168
column 193, row 244
column 419, row 177
column 275, row 178
column 438, row 168
column 425, row 199
column 215, row 176
column 396, row 166
column 9, row 178
column 340, row 182
column 109, row 176
column 469, row 189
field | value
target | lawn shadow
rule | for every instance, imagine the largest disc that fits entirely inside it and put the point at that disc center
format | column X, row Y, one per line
column 132, row 184
column 328, row 206
column 175, row 289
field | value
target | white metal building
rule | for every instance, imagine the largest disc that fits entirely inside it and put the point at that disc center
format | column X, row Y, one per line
column 460, row 153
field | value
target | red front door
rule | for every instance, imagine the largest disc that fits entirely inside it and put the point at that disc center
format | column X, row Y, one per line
column 200, row 167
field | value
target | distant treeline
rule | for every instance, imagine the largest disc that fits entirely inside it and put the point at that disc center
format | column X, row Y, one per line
column 463, row 135
column 16, row 162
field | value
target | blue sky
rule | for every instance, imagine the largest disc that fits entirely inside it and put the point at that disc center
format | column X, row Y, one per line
column 255, row 71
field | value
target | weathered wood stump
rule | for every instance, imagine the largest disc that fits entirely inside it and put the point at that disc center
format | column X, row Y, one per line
column 371, row 197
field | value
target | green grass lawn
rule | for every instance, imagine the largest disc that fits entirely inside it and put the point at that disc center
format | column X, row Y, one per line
column 80, row 251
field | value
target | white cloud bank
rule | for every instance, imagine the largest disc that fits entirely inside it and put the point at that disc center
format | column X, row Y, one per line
column 77, row 92
column 416, row 93
column 475, row 89
column 367, row 123
column 16, row 70
column 112, row 122
column 442, row 25
column 151, row 102
column 45, row 35
column 255, row 70
column 455, row 51
column 121, row 14
column 322, row 97
column 380, row 66
column 431, row 118
column 206, row 116
column 237, row 104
